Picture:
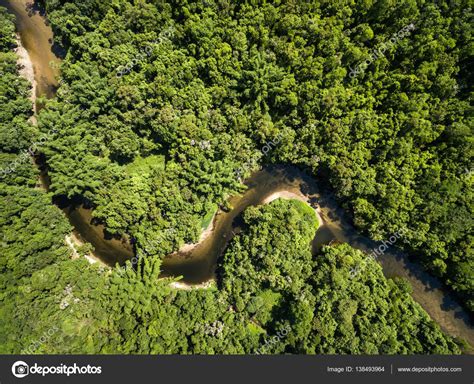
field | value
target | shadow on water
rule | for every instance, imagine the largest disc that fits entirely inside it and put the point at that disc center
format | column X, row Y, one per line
column 35, row 8
column 200, row 264
column 36, row 36
column 58, row 50
column 108, row 248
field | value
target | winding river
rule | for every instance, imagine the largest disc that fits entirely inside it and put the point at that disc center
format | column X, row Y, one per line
column 199, row 264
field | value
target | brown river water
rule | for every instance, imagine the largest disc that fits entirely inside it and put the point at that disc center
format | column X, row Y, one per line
column 199, row 265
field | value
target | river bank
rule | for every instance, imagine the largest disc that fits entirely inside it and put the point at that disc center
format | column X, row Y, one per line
column 297, row 196
column 187, row 287
column 199, row 264
column 36, row 38
column 73, row 241
column 211, row 281
column 189, row 247
column 26, row 71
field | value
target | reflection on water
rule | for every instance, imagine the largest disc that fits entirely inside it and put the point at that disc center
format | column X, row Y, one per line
column 37, row 38
column 108, row 249
column 427, row 290
column 199, row 266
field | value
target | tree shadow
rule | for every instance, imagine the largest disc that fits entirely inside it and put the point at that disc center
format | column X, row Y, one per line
column 58, row 50
column 35, row 8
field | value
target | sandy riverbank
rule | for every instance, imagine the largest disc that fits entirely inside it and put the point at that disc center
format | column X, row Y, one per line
column 26, row 70
column 188, row 287
column 187, row 248
column 73, row 241
column 280, row 194
column 297, row 196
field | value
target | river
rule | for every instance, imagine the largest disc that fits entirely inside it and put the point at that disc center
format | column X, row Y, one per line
column 36, row 37
column 199, row 265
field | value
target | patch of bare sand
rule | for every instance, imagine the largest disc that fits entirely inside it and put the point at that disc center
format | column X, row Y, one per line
column 297, row 196
column 73, row 241
column 187, row 248
column 188, row 287
column 27, row 71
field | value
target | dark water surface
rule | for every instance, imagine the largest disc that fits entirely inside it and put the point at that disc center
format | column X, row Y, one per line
column 199, row 265
column 37, row 38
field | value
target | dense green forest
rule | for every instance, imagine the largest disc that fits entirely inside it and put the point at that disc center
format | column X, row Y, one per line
column 162, row 106
column 32, row 230
column 79, row 308
column 394, row 142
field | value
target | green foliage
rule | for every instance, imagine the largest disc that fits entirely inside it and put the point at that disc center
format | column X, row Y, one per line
column 32, row 230
column 368, row 314
column 155, row 150
column 273, row 281
column 394, row 141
